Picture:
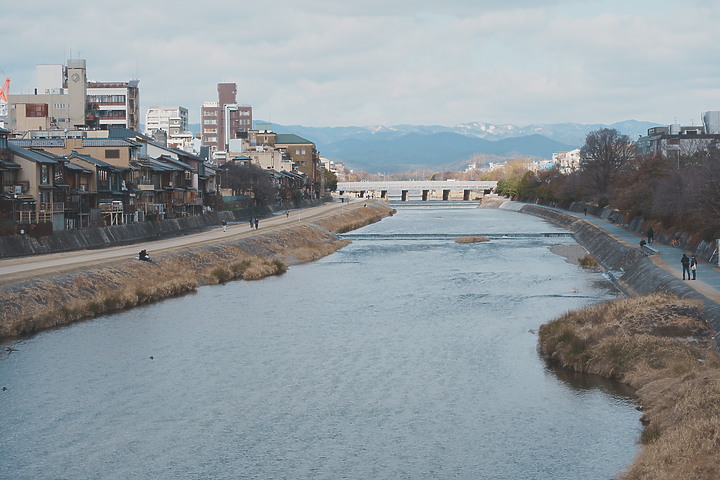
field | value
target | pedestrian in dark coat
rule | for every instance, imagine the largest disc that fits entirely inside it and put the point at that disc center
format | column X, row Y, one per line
column 693, row 266
column 651, row 235
column 685, row 261
column 257, row 222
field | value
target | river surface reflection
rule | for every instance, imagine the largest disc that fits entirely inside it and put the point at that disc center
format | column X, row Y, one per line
column 388, row 359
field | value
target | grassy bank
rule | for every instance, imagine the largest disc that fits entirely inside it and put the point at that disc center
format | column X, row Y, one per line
column 39, row 304
column 662, row 347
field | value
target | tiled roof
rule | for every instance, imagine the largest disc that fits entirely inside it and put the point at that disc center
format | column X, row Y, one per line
column 109, row 142
column 37, row 142
column 291, row 139
column 119, row 132
column 159, row 164
column 8, row 165
column 37, row 156
column 176, row 162
column 93, row 160
column 77, row 168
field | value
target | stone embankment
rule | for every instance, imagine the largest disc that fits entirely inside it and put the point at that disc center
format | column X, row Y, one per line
column 702, row 248
column 634, row 273
column 102, row 237
column 43, row 303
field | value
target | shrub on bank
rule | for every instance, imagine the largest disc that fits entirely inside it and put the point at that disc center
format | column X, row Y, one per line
column 472, row 239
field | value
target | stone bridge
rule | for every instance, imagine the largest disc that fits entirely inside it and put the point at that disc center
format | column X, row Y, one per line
column 419, row 190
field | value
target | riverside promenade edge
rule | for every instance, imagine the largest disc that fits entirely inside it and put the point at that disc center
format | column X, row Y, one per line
column 618, row 250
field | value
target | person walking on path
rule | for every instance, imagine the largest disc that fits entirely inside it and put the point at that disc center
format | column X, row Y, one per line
column 651, row 235
column 693, row 266
column 224, row 225
column 251, row 222
column 257, row 222
column 685, row 261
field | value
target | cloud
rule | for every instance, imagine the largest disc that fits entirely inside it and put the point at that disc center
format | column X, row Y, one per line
column 317, row 62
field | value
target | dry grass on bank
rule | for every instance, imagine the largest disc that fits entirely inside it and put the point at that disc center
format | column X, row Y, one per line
column 662, row 347
column 356, row 218
column 35, row 305
column 588, row 261
column 472, row 239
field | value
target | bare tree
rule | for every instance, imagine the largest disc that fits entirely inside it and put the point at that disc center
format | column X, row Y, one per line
column 601, row 158
column 250, row 180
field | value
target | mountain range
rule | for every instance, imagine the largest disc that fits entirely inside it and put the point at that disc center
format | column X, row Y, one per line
column 388, row 149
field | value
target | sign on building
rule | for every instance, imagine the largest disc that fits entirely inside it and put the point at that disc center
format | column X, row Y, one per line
column 4, row 93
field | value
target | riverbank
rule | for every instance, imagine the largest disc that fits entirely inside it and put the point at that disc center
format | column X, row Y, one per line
column 56, row 300
column 661, row 346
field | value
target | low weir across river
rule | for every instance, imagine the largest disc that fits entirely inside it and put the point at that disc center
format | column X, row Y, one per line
column 450, row 236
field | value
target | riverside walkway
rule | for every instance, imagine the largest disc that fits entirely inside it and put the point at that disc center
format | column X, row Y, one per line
column 667, row 257
column 18, row 269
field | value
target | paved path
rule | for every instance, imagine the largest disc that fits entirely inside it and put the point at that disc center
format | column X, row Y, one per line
column 13, row 270
column 668, row 257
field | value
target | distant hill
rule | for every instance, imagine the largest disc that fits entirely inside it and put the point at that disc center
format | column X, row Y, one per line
column 386, row 149
column 433, row 151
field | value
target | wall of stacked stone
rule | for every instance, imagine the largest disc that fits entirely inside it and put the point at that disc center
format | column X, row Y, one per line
column 633, row 272
column 69, row 240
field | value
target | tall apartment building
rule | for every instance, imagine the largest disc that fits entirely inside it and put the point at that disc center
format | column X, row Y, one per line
column 224, row 119
column 173, row 120
column 113, row 104
column 64, row 100
column 169, row 125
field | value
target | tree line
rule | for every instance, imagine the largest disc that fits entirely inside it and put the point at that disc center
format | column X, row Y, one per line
column 681, row 192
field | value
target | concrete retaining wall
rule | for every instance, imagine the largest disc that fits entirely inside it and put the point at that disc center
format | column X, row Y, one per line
column 633, row 271
column 703, row 249
column 68, row 240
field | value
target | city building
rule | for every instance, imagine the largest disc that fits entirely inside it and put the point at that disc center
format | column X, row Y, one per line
column 567, row 162
column 63, row 99
column 169, row 125
column 113, row 104
column 224, row 120
column 678, row 140
column 300, row 151
column 173, row 120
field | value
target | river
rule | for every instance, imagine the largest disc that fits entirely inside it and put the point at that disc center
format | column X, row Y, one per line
column 391, row 359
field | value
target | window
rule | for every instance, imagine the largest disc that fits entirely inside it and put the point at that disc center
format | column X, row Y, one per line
column 115, row 153
column 59, row 180
column 210, row 122
column 44, row 174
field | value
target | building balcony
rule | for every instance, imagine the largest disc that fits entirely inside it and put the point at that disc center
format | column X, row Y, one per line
column 51, row 207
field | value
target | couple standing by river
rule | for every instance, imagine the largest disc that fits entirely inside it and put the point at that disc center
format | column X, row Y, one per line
column 689, row 265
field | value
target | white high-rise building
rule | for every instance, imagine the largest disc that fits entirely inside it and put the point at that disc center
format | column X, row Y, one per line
column 173, row 120
column 567, row 162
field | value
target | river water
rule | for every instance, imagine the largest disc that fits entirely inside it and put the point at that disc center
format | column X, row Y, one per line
column 390, row 359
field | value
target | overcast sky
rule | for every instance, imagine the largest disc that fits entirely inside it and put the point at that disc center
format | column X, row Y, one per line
column 386, row 62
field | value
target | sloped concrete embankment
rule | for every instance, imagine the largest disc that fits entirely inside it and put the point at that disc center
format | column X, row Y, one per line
column 633, row 271
column 35, row 305
column 702, row 248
